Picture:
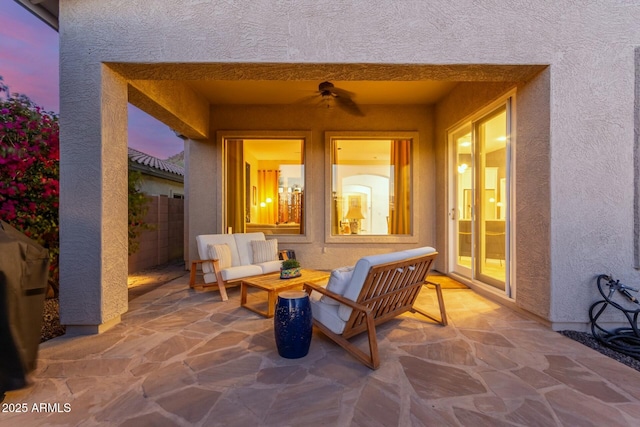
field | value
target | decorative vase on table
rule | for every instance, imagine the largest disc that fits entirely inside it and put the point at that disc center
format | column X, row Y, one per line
column 290, row 273
column 292, row 324
column 290, row 269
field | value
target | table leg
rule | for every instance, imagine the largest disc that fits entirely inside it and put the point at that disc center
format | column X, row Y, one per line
column 243, row 294
column 271, row 300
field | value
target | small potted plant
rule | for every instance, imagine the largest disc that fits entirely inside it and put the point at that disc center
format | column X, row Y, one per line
column 290, row 268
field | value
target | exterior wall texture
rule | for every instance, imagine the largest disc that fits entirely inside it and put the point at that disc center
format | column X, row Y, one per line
column 589, row 82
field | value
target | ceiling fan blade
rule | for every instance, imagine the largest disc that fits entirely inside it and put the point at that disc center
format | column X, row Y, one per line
column 307, row 99
column 341, row 92
column 348, row 105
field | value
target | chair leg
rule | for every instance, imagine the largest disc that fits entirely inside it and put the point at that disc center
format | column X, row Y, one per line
column 192, row 275
column 373, row 341
column 371, row 360
column 443, row 312
column 221, row 287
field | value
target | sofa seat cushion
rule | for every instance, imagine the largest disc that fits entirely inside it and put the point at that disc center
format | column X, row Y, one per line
column 270, row 266
column 361, row 271
column 264, row 250
column 234, row 273
column 327, row 314
column 338, row 281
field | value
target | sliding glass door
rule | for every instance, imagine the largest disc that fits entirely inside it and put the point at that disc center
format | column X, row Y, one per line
column 479, row 211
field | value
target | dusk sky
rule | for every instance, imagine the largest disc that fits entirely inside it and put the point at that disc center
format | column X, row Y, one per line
column 29, row 65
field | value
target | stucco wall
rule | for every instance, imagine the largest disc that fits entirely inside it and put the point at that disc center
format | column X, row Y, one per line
column 588, row 46
column 531, row 216
column 316, row 252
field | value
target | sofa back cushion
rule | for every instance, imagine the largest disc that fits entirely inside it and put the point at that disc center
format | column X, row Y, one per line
column 243, row 243
column 204, row 240
column 361, row 271
column 222, row 253
column 264, row 250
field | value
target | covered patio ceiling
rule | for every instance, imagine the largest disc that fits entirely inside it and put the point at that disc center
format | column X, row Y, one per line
column 280, row 83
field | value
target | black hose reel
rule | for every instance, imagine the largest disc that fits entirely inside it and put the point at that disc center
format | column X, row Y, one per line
column 625, row 340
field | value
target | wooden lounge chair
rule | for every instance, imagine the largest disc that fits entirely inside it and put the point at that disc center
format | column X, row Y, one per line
column 378, row 291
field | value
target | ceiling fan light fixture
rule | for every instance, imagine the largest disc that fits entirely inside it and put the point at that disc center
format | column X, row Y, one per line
column 327, row 101
column 340, row 98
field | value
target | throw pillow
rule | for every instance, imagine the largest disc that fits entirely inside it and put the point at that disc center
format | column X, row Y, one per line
column 222, row 253
column 264, row 250
column 338, row 281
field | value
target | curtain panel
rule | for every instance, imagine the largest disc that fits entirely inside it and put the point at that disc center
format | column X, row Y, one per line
column 268, row 194
column 235, row 185
column 400, row 203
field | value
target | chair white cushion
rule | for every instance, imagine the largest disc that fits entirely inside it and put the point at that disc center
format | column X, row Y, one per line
column 222, row 253
column 264, row 250
column 338, row 281
column 327, row 314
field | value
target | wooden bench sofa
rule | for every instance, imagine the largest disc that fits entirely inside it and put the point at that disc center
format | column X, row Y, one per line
column 377, row 289
column 226, row 258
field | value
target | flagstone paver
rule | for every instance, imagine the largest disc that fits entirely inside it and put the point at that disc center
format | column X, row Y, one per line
column 182, row 357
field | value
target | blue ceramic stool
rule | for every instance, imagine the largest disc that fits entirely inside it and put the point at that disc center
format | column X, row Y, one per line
column 293, row 324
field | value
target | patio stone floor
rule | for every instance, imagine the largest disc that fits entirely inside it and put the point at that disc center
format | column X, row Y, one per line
column 182, row 357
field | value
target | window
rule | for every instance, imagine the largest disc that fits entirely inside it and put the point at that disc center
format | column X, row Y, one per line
column 265, row 185
column 371, row 185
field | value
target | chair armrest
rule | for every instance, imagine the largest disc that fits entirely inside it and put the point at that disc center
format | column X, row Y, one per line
column 308, row 287
column 200, row 261
column 194, row 265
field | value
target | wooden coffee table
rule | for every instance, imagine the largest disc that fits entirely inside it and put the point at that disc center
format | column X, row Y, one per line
column 272, row 283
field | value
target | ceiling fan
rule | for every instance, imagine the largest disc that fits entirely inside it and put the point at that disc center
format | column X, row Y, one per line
column 342, row 98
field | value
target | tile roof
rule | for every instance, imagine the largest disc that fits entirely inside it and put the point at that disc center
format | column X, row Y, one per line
column 153, row 162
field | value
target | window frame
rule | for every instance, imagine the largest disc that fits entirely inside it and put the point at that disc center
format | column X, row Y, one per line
column 305, row 136
column 415, row 187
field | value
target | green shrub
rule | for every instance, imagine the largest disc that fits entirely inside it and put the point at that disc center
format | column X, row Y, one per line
column 138, row 208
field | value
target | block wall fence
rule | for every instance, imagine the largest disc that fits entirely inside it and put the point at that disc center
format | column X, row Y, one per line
column 165, row 242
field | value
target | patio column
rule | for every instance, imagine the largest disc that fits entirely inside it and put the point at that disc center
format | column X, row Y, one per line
column 93, row 197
